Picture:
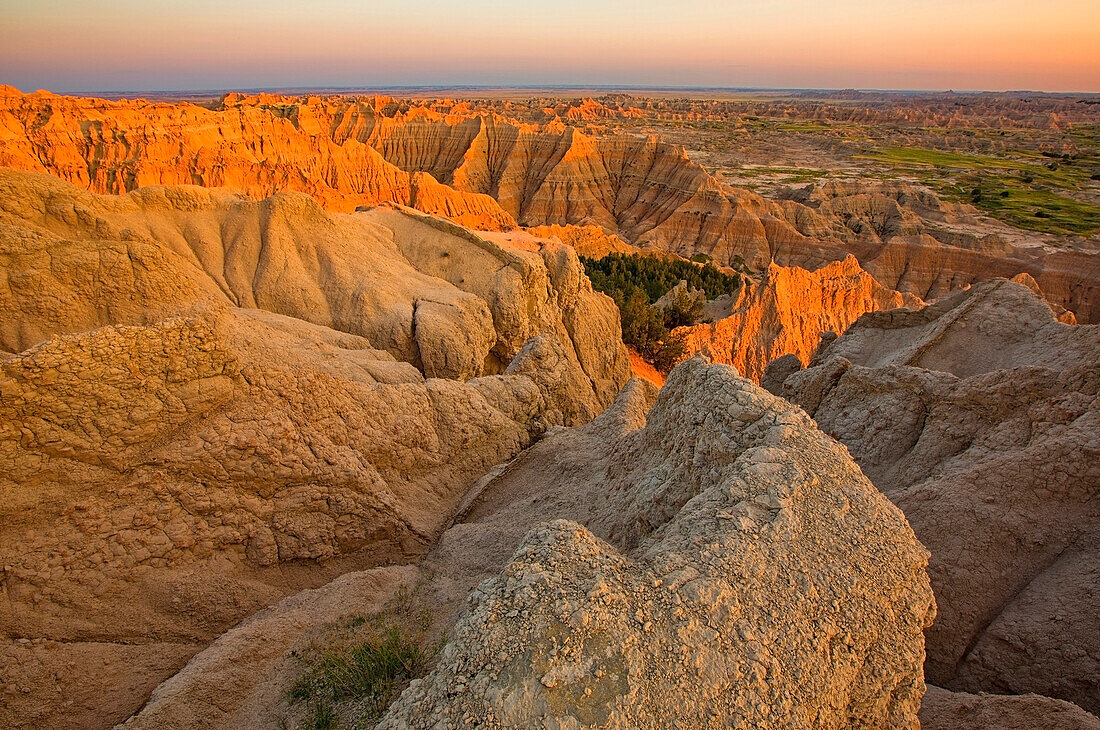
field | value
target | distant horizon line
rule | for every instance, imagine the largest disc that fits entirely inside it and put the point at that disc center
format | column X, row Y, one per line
column 552, row 87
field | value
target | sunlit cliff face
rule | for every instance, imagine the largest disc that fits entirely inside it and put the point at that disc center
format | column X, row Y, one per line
column 849, row 43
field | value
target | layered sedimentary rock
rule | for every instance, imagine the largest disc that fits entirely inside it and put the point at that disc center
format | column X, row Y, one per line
column 647, row 570
column 979, row 417
column 211, row 394
column 257, row 148
column 786, row 312
column 491, row 172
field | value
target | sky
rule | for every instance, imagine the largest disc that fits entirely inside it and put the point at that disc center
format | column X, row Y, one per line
column 148, row 45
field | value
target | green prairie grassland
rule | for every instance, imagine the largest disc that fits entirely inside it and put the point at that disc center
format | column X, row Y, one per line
column 1027, row 189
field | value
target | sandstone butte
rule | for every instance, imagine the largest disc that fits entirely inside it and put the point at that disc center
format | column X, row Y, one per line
column 489, row 172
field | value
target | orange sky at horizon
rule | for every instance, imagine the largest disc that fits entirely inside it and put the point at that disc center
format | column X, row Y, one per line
column 203, row 44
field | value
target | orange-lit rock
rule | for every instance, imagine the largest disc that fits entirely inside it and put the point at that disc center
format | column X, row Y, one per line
column 259, row 146
column 644, row 370
column 490, row 172
column 787, row 311
column 591, row 241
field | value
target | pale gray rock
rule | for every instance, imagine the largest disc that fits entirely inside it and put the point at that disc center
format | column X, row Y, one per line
column 733, row 568
column 979, row 416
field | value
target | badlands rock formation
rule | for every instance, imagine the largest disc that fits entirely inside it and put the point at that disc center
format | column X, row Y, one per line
column 911, row 241
column 210, row 394
column 705, row 560
column 786, row 313
column 491, row 172
column 944, row 110
column 259, row 150
column 979, row 417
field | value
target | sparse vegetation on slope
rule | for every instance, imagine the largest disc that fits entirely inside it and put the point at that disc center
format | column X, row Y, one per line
column 350, row 682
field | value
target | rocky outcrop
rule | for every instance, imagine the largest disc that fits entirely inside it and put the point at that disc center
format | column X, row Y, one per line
column 739, row 572
column 217, row 402
column 979, row 417
column 431, row 293
column 786, row 312
column 491, row 172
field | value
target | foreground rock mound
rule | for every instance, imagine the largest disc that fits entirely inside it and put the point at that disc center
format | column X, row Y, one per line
column 734, row 569
column 211, row 395
column 787, row 312
column 979, row 416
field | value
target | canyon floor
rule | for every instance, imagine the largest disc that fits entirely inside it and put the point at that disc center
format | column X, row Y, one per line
column 317, row 410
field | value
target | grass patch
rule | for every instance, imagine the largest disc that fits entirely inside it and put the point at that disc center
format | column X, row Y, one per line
column 1017, row 203
column 1021, row 193
column 1086, row 136
column 1066, row 174
column 366, row 672
column 348, row 681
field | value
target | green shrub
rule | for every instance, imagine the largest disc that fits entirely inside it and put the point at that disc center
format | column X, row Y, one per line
column 684, row 309
column 366, row 671
column 656, row 276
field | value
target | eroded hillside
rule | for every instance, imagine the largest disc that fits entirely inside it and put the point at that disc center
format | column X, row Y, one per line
column 978, row 416
column 489, row 171
column 209, row 391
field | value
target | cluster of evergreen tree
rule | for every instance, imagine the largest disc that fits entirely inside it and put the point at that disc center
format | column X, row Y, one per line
column 656, row 276
column 636, row 282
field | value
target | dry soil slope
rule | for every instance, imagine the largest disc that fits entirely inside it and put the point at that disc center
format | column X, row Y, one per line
column 944, row 710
